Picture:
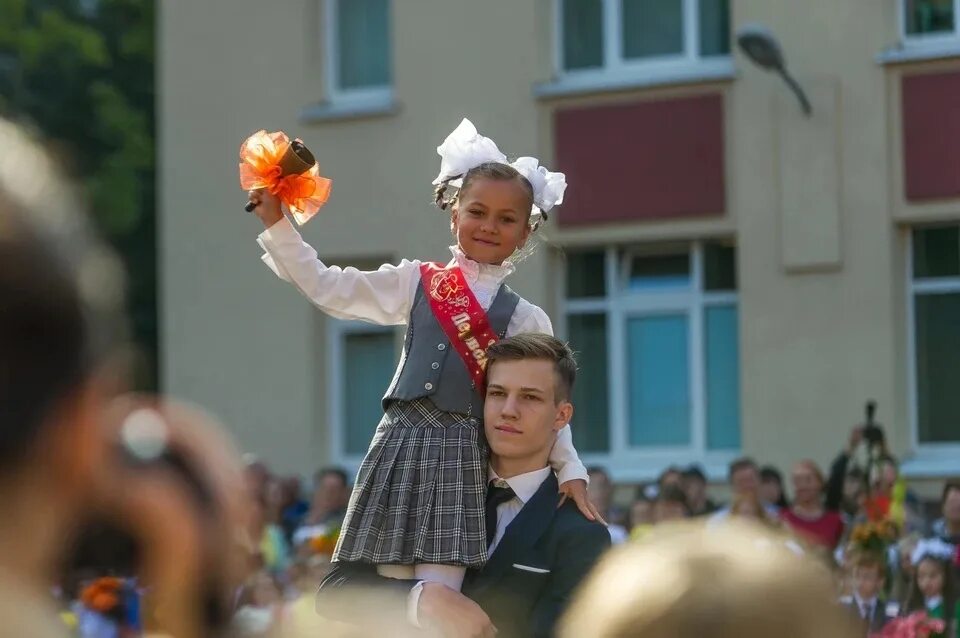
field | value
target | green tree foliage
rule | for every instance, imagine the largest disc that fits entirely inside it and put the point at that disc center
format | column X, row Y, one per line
column 82, row 73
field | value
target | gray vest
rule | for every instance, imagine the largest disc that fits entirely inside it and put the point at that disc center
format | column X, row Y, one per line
column 429, row 367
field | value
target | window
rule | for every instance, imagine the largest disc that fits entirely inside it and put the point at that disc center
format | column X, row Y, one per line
column 655, row 328
column 362, row 359
column 358, row 50
column 935, row 324
column 617, row 36
column 929, row 20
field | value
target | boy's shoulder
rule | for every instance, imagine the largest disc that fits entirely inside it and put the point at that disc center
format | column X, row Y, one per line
column 570, row 520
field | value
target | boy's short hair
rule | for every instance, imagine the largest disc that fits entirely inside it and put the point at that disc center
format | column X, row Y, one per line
column 538, row 346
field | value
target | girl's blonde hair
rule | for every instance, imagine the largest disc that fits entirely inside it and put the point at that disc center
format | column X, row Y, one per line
column 714, row 581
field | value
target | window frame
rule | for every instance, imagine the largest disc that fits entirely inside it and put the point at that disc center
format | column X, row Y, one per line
column 620, row 304
column 933, row 455
column 365, row 97
column 928, row 40
column 618, row 68
column 337, row 332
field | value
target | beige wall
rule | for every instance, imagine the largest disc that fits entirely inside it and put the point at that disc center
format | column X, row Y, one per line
column 820, row 253
column 817, row 339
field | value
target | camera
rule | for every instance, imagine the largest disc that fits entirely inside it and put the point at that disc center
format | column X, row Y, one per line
column 872, row 431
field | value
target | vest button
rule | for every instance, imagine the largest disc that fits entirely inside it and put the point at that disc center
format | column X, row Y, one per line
column 428, row 386
column 441, row 346
column 435, row 365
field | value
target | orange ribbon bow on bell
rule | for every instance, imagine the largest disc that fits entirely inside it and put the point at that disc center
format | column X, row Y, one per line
column 285, row 168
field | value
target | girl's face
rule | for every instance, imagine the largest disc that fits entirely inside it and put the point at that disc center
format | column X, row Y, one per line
column 930, row 578
column 490, row 219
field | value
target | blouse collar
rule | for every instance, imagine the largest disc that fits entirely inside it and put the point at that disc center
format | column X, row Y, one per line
column 475, row 271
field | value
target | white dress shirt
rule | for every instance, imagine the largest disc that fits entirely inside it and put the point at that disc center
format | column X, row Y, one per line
column 865, row 607
column 524, row 486
column 385, row 297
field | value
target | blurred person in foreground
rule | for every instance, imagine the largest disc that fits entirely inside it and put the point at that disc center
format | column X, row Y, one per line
column 61, row 429
column 60, row 318
column 539, row 552
column 716, row 581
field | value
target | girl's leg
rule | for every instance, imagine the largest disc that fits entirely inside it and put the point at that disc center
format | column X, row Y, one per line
column 404, row 572
column 449, row 575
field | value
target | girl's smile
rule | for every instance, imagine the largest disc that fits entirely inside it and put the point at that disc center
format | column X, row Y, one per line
column 490, row 219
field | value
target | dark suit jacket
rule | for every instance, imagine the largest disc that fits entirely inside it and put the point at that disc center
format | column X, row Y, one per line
column 876, row 622
column 544, row 555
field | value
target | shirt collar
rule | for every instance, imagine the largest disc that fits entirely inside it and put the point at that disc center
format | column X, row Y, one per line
column 524, row 485
column 936, row 601
column 474, row 271
column 872, row 602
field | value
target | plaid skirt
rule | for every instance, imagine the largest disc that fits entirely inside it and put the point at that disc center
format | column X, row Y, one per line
column 420, row 492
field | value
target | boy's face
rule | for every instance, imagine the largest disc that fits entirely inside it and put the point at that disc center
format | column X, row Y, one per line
column 867, row 581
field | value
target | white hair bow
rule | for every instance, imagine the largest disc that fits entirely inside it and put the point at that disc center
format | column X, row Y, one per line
column 464, row 149
column 932, row 548
column 548, row 187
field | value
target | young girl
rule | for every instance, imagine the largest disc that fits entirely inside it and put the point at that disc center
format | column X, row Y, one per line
column 933, row 585
column 419, row 498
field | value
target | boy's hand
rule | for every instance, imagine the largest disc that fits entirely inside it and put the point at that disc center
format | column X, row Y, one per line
column 577, row 490
column 267, row 206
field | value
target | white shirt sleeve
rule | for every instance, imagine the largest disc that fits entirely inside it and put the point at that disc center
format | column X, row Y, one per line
column 529, row 318
column 564, row 458
column 381, row 296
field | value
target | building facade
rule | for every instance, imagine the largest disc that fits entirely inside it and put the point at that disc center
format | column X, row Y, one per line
column 738, row 277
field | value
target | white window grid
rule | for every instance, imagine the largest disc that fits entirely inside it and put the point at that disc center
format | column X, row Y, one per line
column 337, row 332
column 620, row 304
column 923, row 286
column 355, row 97
column 928, row 40
column 616, row 66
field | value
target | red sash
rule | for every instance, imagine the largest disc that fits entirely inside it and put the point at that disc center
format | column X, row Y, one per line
column 461, row 317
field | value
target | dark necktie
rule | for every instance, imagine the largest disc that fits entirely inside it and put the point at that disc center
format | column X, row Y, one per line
column 496, row 495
